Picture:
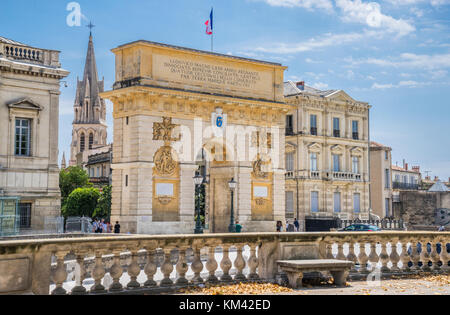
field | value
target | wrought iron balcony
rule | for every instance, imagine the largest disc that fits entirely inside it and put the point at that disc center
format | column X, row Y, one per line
column 399, row 185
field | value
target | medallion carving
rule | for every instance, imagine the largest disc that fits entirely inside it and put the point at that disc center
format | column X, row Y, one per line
column 165, row 164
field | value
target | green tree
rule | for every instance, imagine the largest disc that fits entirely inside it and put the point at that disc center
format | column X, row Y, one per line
column 70, row 179
column 81, row 202
column 103, row 209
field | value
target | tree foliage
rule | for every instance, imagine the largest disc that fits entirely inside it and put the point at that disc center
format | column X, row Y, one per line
column 103, row 209
column 81, row 202
column 70, row 179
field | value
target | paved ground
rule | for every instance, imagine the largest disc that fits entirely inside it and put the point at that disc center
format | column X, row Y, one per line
column 415, row 285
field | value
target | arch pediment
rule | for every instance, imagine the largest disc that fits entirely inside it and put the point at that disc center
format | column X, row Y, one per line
column 337, row 148
column 25, row 103
column 356, row 151
column 314, row 147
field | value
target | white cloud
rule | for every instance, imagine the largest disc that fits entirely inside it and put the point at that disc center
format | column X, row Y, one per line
column 307, row 4
column 320, row 86
column 408, row 84
column 312, row 44
column 369, row 13
column 410, row 60
column 411, row 2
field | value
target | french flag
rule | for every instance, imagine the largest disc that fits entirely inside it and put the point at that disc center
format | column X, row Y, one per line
column 209, row 24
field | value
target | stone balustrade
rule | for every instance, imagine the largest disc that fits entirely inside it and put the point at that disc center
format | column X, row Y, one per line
column 120, row 264
column 23, row 53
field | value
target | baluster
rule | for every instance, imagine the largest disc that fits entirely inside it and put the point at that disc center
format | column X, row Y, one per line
column 362, row 258
column 405, row 256
column 373, row 257
column 98, row 273
column 116, row 272
column 340, row 254
column 424, row 256
column 60, row 274
column 80, row 275
column 239, row 263
column 253, row 263
column 150, row 268
column 182, row 267
column 197, row 267
column 133, row 271
column 444, row 256
column 329, row 250
column 351, row 255
column 415, row 257
column 394, row 257
column 211, row 265
column 166, row 269
column 384, row 257
column 226, row 264
column 434, row 257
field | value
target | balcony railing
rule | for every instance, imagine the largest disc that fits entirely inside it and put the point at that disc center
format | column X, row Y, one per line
column 313, row 131
column 336, row 133
column 146, row 264
column 23, row 53
column 344, row 176
column 399, row 185
column 355, row 136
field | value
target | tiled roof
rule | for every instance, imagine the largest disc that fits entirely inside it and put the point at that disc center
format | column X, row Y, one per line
column 401, row 169
column 290, row 88
column 438, row 187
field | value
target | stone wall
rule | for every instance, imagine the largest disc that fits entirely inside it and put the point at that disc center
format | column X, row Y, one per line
column 422, row 208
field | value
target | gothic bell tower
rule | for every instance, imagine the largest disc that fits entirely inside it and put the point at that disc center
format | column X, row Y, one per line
column 89, row 125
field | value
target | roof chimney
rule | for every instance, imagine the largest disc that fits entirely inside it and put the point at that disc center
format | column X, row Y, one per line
column 406, row 166
column 436, row 178
column 300, row 85
column 427, row 178
column 416, row 169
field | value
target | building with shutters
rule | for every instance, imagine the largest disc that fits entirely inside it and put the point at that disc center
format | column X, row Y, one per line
column 327, row 155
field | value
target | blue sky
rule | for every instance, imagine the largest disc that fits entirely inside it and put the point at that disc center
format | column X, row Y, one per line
column 394, row 54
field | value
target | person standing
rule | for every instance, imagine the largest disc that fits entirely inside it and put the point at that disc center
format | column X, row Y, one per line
column 238, row 227
column 279, row 226
column 297, row 225
column 117, row 228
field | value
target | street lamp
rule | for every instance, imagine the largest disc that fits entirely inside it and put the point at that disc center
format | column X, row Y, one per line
column 198, row 180
column 232, row 184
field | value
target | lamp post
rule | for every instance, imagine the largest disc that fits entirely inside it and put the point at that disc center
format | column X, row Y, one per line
column 198, row 180
column 232, row 227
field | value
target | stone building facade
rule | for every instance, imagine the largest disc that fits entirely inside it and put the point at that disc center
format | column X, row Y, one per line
column 89, row 124
column 176, row 109
column 381, row 180
column 29, row 108
column 327, row 157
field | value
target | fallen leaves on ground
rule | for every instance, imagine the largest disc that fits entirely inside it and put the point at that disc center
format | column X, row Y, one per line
column 238, row 289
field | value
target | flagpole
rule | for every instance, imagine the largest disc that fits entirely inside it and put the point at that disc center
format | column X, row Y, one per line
column 212, row 28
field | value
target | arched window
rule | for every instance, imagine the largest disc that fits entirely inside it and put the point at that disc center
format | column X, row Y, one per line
column 91, row 140
column 82, row 142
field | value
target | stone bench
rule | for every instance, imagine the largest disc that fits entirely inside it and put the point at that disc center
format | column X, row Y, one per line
column 294, row 269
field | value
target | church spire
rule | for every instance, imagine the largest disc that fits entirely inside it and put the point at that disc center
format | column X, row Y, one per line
column 91, row 106
column 63, row 161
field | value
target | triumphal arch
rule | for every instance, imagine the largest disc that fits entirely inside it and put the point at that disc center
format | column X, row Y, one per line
column 178, row 111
